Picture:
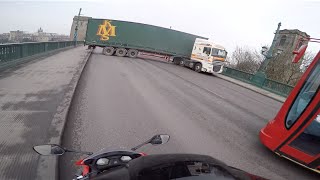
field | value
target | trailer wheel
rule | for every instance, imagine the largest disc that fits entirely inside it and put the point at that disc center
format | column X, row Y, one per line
column 121, row 52
column 181, row 63
column 197, row 67
column 108, row 51
column 133, row 53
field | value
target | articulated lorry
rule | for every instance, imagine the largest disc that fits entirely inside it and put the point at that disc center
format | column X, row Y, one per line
column 122, row 38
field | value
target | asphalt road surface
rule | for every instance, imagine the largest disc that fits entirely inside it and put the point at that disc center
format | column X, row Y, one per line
column 121, row 102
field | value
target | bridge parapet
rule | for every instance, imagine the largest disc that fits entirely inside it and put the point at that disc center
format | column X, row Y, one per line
column 11, row 54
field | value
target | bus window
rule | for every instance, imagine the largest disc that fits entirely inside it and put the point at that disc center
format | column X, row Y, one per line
column 314, row 128
column 309, row 140
column 304, row 97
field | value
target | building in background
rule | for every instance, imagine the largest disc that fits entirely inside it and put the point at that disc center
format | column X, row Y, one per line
column 82, row 27
column 39, row 36
column 4, row 38
column 60, row 37
column 16, row 36
column 290, row 40
column 281, row 68
column 26, row 37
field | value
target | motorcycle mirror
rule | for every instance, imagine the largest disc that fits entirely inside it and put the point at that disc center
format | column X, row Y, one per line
column 49, row 149
column 159, row 139
column 155, row 140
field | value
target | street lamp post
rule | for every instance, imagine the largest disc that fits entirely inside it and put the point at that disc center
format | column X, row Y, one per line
column 260, row 75
column 75, row 36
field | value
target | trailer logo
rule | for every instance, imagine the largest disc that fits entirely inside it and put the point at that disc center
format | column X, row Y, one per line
column 106, row 30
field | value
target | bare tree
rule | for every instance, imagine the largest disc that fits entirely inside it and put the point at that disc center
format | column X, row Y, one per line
column 245, row 59
column 281, row 68
column 306, row 60
column 228, row 62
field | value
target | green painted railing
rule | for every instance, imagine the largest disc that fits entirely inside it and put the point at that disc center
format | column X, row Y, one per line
column 268, row 84
column 238, row 74
column 10, row 52
column 277, row 87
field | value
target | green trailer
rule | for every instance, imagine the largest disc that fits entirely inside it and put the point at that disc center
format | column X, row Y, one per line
column 137, row 36
column 122, row 38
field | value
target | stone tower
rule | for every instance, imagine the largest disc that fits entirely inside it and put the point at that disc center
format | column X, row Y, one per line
column 82, row 27
column 281, row 67
column 290, row 40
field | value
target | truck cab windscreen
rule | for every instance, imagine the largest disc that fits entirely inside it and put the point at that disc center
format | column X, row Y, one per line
column 218, row 52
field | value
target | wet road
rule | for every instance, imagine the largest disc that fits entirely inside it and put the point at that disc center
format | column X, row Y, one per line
column 120, row 102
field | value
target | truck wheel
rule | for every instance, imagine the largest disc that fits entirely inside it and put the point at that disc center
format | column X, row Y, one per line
column 132, row 53
column 176, row 61
column 181, row 63
column 108, row 51
column 197, row 67
column 121, row 52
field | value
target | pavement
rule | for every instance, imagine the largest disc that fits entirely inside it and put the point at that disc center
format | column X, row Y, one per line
column 120, row 102
column 253, row 88
column 29, row 97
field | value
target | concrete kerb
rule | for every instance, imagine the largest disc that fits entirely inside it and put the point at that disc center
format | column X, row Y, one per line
column 250, row 87
column 48, row 165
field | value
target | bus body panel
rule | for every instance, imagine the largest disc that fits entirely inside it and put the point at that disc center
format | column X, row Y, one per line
column 294, row 142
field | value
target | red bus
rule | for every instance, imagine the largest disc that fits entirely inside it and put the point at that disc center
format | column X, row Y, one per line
column 295, row 131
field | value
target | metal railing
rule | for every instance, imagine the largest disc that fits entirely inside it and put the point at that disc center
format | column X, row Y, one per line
column 277, row 87
column 237, row 74
column 268, row 84
column 9, row 52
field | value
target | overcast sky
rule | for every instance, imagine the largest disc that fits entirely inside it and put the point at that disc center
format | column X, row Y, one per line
column 230, row 23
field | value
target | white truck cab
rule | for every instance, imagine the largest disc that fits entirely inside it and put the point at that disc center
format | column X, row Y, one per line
column 207, row 56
